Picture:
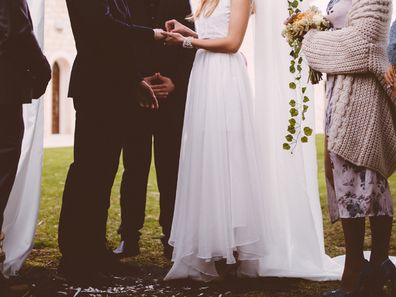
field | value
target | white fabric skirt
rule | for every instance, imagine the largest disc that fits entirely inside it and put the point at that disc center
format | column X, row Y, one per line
column 219, row 200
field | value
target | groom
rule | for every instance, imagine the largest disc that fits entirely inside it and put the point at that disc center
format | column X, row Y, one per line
column 106, row 87
column 167, row 69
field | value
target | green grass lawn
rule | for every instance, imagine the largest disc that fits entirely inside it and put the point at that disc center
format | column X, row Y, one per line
column 46, row 255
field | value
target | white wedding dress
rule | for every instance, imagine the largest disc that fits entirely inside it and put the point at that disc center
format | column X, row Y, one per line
column 219, row 196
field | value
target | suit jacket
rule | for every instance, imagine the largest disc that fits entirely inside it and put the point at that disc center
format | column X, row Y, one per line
column 171, row 61
column 24, row 71
column 105, row 66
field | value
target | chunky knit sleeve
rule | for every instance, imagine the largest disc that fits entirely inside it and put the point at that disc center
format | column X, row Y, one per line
column 392, row 45
column 337, row 52
column 354, row 49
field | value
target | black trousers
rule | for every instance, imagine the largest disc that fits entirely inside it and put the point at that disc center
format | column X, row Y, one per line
column 164, row 127
column 11, row 136
column 100, row 128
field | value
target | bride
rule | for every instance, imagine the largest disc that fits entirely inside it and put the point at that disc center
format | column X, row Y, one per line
column 217, row 221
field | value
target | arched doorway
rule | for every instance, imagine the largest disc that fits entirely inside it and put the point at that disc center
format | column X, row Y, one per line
column 56, row 99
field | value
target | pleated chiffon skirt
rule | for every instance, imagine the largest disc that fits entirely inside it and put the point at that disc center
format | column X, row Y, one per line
column 219, row 197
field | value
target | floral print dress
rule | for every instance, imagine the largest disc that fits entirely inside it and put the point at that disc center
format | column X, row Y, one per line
column 354, row 192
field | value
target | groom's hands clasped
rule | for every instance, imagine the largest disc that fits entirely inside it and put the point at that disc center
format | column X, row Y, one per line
column 161, row 85
column 146, row 96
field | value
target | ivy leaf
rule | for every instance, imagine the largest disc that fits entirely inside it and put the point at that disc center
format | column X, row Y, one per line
column 299, row 68
column 291, row 130
column 289, row 138
column 293, row 112
column 292, row 122
column 292, row 103
column 306, row 99
column 292, row 86
column 308, row 131
column 304, row 139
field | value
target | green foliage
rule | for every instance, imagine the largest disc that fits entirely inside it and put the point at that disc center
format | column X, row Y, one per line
column 299, row 106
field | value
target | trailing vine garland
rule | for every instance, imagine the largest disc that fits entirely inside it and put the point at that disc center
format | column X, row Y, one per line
column 298, row 24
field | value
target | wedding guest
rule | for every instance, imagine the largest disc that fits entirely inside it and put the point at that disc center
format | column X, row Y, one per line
column 166, row 70
column 24, row 75
column 361, row 136
column 106, row 87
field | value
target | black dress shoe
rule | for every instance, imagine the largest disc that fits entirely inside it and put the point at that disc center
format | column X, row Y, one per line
column 112, row 265
column 168, row 249
column 11, row 288
column 385, row 274
column 82, row 276
column 127, row 249
column 362, row 288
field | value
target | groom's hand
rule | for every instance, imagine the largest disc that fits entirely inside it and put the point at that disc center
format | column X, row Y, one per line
column 146, row 96
column 158, row 34
column 161, row 85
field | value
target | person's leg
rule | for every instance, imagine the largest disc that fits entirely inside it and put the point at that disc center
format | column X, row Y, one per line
column 86, row 198
column 167, row 142
column 354, row 231
column 137, row 152
column 381, row 232
column 11, row 135
column 384, row 269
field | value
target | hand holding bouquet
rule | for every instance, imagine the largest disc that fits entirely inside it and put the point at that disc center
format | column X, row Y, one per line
column 299, row 24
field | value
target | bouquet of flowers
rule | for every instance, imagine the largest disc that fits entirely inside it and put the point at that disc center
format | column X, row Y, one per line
column 296, row 27
column 299, row 24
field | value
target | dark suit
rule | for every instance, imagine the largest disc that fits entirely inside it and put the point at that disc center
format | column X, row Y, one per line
column 24, row 75
column 104, row 77
column 163, row 126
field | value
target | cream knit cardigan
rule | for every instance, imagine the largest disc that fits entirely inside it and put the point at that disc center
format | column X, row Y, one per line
column 363, row 114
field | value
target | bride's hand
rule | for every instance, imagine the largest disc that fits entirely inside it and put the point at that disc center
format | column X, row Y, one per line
column 173, row 26
column 173, row 38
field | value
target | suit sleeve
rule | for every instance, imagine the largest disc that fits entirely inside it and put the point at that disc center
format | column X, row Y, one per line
column 98, row 13
column 25, row 43
column 5, row 23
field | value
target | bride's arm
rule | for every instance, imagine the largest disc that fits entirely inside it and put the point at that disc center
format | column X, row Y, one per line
column 240, row 14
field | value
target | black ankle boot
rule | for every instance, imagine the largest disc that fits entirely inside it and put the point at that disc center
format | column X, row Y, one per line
column 362, row 287
column 384, row 275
